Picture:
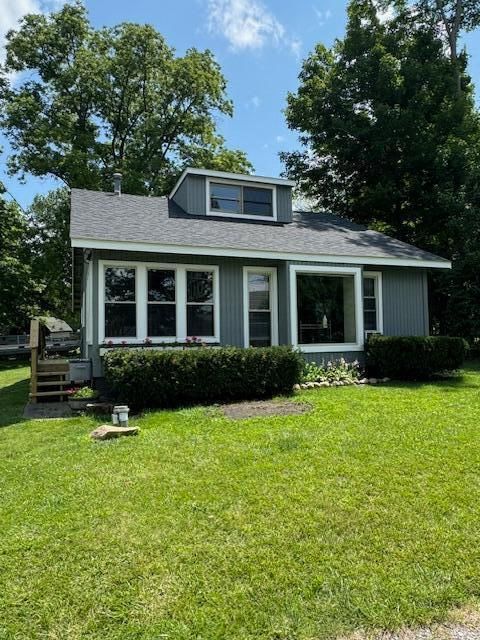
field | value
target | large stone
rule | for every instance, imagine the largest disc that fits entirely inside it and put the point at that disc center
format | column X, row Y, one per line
column 108, row 431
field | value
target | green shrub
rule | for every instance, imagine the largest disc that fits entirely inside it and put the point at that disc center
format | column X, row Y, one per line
column 175, row 378
column 332, row 371
column 413, row 357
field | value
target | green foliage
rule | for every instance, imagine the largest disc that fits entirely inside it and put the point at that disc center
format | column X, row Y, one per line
column 390, row 134
column 414, row 357
column 83, row 393
column 332, row 371
column 91, row 102
column 174, row 378
column 20, row 289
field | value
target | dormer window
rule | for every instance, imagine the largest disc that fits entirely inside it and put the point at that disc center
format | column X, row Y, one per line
column 242, row 200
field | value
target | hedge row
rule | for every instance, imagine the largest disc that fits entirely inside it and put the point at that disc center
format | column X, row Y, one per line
column 414, row 358
column 147, row 378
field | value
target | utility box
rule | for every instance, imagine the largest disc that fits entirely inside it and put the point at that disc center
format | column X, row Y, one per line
column 80, row 370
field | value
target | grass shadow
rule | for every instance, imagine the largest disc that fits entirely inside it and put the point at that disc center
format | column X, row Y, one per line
column 12, row 401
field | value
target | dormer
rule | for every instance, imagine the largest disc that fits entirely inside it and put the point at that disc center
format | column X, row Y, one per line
column 233, row 196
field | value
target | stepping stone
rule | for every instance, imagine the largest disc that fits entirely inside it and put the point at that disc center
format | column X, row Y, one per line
column 108, row 431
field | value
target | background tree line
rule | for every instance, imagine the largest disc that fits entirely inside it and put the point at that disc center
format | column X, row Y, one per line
column 389, row 132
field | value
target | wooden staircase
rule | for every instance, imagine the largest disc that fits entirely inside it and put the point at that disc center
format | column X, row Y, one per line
column 49, row 378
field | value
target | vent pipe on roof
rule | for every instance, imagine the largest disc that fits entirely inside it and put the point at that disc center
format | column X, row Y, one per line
column 117, row 184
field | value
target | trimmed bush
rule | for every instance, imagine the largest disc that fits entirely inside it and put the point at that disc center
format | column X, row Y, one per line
column 148, row 378
column 413, row 357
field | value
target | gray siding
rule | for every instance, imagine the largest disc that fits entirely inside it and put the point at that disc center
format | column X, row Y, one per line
column 405, row 302
column 191, row 195
column 284, row 204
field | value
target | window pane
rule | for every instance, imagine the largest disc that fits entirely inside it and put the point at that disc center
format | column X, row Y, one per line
column 254, row 194
column 369, row 287
column 227, row 206
column 369, row 304
column 260, row 328
column 120, row 320
column 161, row 285
column 326, row 309
column 370, row 320
column 200, row 320
column 119, row 284
column 259, row 291
column 200, row 286
column 224, row 191
column 257, row 201
column 257, row 208
column 162, row 320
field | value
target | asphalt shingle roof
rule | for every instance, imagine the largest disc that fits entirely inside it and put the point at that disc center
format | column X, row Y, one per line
column 104, row 216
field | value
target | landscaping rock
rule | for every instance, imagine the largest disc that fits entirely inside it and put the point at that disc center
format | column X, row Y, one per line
column 296, row 387
column 385, row 379
column 373, row 381
column 363, row 381
column 107, row 431
column 324, row 384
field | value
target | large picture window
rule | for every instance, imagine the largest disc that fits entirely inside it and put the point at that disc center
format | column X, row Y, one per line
column 162, row 316
column 235, row 199
column 325, row 309
column 200, row 304
column 120, row 302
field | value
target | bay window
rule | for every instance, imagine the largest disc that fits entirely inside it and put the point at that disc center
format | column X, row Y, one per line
column 158, row 302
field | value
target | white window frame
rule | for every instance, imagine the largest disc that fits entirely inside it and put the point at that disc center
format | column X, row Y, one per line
column 356, row 272
column 141, row 297
column 272, row 272
column 377, row 277
column 174, row 302
column 241, row 183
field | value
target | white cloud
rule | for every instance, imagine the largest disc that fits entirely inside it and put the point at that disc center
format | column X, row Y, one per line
column 385, row 15
column 279, row 138
column 322, row 16
column 11, row 11
column 253, row 103
column 247, row 24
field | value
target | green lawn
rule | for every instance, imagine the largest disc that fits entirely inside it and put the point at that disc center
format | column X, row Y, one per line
column 363, row 513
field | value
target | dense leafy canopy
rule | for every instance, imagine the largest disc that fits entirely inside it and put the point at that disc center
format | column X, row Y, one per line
column 96, row 101
column 387, row 138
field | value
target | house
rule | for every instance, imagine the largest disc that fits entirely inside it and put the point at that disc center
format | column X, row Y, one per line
column 225, row 259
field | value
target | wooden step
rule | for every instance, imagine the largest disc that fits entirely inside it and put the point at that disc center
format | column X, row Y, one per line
column 42, row 394
column 51, row 373
column 56, row 365
column 52, row 383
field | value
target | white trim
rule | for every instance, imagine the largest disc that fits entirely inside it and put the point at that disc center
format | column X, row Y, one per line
column 377, row 276
column 358, row 292
column 272, row 272
column 141, row 301
column 241, row 216
column 227, row 175
column 150, row 247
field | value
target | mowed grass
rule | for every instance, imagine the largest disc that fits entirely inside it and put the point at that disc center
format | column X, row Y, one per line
column 363, row 513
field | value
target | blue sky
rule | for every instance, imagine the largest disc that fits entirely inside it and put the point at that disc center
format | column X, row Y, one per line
column 258, row 43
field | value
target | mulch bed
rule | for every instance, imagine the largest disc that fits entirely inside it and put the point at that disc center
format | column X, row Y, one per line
column 263, row 408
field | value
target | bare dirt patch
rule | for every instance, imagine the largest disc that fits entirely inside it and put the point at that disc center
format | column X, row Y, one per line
column 462, row 624
column 263, row 408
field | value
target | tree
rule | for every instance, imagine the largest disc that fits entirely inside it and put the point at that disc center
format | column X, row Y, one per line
column 97, row 101
column 51, row 253
column 451, row 18
column 387, row 139
column 19, row 288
